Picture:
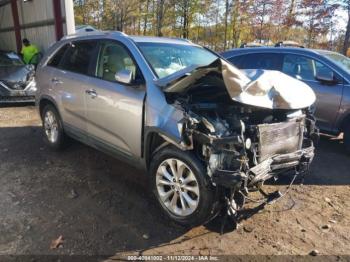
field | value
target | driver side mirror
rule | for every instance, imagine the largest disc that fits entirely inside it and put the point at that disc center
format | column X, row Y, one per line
column 124, row 76
column 327, row 78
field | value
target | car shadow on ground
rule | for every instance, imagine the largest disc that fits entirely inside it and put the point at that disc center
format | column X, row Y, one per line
column 97, row 203
column 330, row 166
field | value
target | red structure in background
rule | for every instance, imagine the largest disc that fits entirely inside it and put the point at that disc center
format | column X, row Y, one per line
column 57, row 12
column 58, row 19
column 16, row 25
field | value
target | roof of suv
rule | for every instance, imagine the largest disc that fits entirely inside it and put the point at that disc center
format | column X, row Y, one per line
column 150, row 39
column 295, row 50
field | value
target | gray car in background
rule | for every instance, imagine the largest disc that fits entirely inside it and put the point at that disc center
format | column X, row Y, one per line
column 17, row 81
column 205, row 133
column 327, row 73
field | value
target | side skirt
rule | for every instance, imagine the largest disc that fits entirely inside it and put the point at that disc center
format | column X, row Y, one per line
column 103, row 146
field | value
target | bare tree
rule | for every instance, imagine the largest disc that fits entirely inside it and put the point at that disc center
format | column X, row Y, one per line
column 160, row 16
column 346, row 6
column 227, row 10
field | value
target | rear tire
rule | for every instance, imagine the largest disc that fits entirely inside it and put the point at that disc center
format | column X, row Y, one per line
column 54, row 135
column 347, row 137
column 181, row 186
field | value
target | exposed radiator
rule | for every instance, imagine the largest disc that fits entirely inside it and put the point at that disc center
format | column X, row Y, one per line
column 280, row 138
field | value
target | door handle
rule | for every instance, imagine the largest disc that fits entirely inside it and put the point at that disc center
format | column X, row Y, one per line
column 91, row 92
column 56, row 81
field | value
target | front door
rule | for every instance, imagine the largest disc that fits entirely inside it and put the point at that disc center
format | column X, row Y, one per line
column 115, row 109
column 328, row 96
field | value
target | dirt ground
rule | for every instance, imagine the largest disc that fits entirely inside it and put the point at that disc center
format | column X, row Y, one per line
column 101, row 206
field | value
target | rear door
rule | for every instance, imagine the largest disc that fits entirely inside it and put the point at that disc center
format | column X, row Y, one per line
column 71, row 78
column 114, row 109
column 328, row 95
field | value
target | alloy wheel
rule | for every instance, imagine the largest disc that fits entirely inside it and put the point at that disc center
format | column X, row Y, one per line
column 177, row 187
column 51, row 126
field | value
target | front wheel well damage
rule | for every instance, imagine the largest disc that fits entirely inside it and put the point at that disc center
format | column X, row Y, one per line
column 153, row 143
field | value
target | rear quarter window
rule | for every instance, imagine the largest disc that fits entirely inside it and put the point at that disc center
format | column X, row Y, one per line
column 56, row 59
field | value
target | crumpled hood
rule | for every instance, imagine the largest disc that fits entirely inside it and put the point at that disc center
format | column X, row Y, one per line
column 267, row 89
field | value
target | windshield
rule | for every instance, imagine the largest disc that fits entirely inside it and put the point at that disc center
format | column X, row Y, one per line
column 339, row 59
column 167, row 59
column 10, row 59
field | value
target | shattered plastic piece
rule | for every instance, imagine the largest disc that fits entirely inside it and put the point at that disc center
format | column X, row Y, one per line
column 57, row 242
column 327, row 200
column 314, row 252
column 73, row 194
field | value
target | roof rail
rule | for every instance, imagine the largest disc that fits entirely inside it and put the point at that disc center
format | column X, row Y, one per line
column 251, row 44
column 71, row 36
column 288, row 44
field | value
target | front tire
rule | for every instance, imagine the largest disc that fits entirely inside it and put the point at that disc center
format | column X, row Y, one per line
column 182, row 187
column 54, row 135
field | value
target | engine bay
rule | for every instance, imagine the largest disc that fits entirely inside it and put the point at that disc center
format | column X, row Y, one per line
column 241, row 145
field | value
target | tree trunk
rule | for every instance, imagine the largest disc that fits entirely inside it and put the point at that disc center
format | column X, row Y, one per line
column 160, row 16
column 139, row 18
column 262, row 23
column 185, row 20
column 347, row 34
column 145, row 21
column 235, row 30
column 225, row 27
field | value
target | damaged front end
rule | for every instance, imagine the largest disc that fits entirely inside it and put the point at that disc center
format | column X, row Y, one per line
column 243, row 146
column 241, row 143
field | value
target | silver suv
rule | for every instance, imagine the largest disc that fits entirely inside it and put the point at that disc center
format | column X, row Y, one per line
column 206, row 133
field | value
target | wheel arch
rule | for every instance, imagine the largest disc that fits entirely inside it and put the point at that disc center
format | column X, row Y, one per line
column 46, row 100
column 153, row 142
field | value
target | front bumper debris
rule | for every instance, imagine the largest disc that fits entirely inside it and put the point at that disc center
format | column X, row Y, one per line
column 282, row 162
column 299, row 160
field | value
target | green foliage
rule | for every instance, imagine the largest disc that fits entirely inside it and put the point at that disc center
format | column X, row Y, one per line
column 218, row 24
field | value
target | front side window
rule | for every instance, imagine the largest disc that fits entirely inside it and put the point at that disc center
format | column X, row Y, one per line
column 113, row 58
column 300, row 67
column 79, row 56
column 166, row 59
column 305, row 68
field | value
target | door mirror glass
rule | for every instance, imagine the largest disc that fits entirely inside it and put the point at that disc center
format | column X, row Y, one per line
column 124, row 76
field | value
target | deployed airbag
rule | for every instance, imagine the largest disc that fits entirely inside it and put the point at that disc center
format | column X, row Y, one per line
column 261, row 88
